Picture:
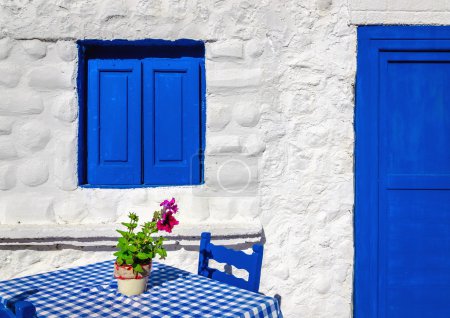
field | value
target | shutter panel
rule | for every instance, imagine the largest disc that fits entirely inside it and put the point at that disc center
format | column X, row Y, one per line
column 171, row 122
column 114, row 122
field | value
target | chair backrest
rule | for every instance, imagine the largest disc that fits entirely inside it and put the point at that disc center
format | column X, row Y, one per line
column 251, row 263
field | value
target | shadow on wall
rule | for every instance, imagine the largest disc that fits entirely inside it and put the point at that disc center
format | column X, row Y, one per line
column 106, row 244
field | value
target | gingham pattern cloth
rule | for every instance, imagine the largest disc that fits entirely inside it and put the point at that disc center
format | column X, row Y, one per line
column 91, row 291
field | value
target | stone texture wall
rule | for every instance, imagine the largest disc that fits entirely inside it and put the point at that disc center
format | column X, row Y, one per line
column 279, row 153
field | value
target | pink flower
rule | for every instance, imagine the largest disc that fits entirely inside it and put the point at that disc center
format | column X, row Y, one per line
column 167, row 222
column 169, row 206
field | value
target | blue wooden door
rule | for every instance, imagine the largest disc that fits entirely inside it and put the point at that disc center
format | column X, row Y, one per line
column 402, row 215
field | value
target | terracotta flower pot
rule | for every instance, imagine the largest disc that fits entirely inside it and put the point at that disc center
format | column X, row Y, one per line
column 130, row 283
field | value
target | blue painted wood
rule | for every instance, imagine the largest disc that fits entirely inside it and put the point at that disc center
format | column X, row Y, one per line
column 251, row 263
column 418, row 181
column 5, row 313
column 139, row 49
column 90, row 49
column 402, row 204
column 114, row 122
column 168, row 107
column 22, row 309
column 25, row 309
column 82, row 115
column 171, row 121
column 202, row 118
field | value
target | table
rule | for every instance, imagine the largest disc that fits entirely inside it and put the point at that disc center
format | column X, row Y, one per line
column 91, row 291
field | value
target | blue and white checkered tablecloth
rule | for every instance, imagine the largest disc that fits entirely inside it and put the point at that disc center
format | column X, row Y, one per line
column 91, row 291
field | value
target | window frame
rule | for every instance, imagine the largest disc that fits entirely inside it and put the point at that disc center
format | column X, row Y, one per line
column 137, row 49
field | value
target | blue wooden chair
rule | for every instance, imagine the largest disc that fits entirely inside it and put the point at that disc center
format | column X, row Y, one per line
column 251, row 263
column 22, row 309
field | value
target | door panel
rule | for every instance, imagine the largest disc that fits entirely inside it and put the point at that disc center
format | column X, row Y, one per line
column 414, row 219
column 402, row 217
column 415, row 113
column 171, row 121
column 414, row 253
column 113, row 122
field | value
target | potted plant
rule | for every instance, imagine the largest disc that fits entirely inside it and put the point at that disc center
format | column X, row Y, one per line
column 136, row 249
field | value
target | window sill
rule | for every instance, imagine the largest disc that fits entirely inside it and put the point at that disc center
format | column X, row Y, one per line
column 104, row 235
column 136, row 186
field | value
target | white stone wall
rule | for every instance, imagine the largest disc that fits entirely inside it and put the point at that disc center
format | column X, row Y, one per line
column 279, row 77
column 400, row 11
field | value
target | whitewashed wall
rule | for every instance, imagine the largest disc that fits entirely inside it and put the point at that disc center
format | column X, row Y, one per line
column 280, row 78
column 400, row 11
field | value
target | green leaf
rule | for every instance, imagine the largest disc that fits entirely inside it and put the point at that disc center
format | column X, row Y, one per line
column 138, row 268
column 161, row 252
column 123, row 233
column 129, row 260
column 142, row 256
column 119, row 261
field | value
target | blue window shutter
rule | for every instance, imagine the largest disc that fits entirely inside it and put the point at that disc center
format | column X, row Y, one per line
column 171, row 121
column 114, row 122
